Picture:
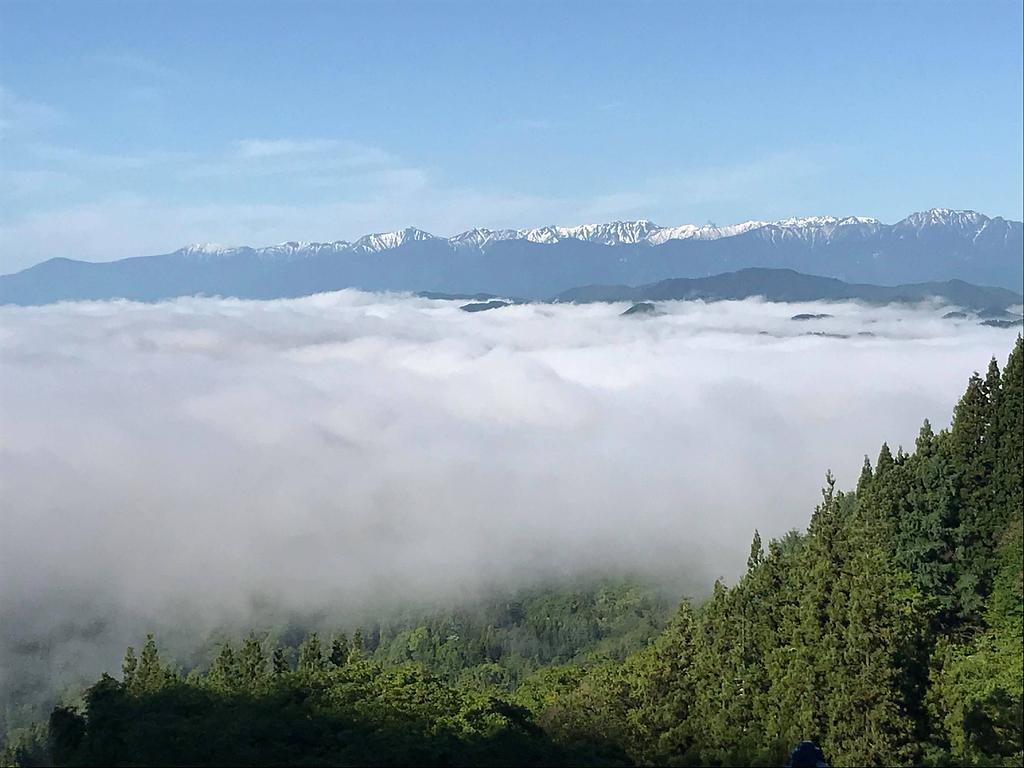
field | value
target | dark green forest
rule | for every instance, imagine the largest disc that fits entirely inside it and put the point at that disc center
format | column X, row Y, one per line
column 890, row 631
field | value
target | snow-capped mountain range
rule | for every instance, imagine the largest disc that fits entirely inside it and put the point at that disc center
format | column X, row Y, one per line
column 935, row 245
column 810, row 229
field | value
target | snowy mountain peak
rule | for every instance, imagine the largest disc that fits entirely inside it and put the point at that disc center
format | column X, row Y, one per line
column 479, row 237
column 613, row 233
column 300, row 248
column 814, row 230
column 383, row 241
column 292, row 246
column 539, row 235
column 945, row 217
column 707, row 231
column 825, row 221
column 205, row 250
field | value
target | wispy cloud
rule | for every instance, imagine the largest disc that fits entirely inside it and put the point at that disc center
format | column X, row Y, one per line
column 532, row 123
column 272, row 148
column 315, row 160
column 20, row 117
column 25, row 184
column 86, row 160
column 135, row 63
column 769, row 174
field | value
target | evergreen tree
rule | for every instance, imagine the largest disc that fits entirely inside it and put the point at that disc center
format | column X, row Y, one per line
column 150, row 675
column 278, row 661
column 885, row 461
column 128, row 668
column 969, row 456
column 927, row 527
column 356, row 653
column 252, row 664
column 339, row 650
column 866, row 475
column 875, row 620
column 1008, row 483
column 310, row 654
column 225, row 675
column 756, row 552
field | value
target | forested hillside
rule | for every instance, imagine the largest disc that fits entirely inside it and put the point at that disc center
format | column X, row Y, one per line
column 890, row 631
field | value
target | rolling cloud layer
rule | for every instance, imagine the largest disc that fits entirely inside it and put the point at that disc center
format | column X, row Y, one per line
column 182, row 464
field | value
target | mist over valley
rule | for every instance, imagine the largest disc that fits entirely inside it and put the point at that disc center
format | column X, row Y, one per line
column 219, row 463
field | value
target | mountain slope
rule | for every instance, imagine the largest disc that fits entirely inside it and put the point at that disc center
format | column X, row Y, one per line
column 936, row 245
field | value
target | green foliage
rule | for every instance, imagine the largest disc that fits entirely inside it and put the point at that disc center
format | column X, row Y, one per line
column 358, row 714
column 978, row 687
column 311, row 658
column 278, row 662
column 129, row 667
column 252, row 665
column 358, row 648
column 148, row 673
column 339, row 650
column 528, row 630
column 891, row 631
column 26, row 748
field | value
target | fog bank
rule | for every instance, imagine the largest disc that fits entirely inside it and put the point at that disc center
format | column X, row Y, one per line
column 177, row 463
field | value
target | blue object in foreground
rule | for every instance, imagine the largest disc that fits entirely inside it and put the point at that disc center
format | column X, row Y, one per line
column 807, row 754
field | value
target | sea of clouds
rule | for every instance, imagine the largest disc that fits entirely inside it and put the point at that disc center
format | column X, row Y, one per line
column 177, row 465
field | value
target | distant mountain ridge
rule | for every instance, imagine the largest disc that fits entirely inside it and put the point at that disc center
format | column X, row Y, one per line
column 613, row 233
column 789, row 286
column 936, row 245
column 640, row 231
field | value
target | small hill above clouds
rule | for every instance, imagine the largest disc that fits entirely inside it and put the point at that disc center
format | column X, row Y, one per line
column 641, row 308
column 932, row 246
column 789, row 286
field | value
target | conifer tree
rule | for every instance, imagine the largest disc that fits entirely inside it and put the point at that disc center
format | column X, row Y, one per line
column 662, row 693
column 716, row 658
column 128, row 668
column 992, row 386
column 973, row 466
column 885, row 461
column 339, row 650
column 356, row 653
column 252, row 663
column 150, row 675
column 310, row 654
column 278, row 661
column 1008, row 483
column 874, row 618
column 224, row 673
column 756, row 552
column 866, row 476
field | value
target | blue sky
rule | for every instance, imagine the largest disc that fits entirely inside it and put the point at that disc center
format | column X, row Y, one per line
column 134, row 128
